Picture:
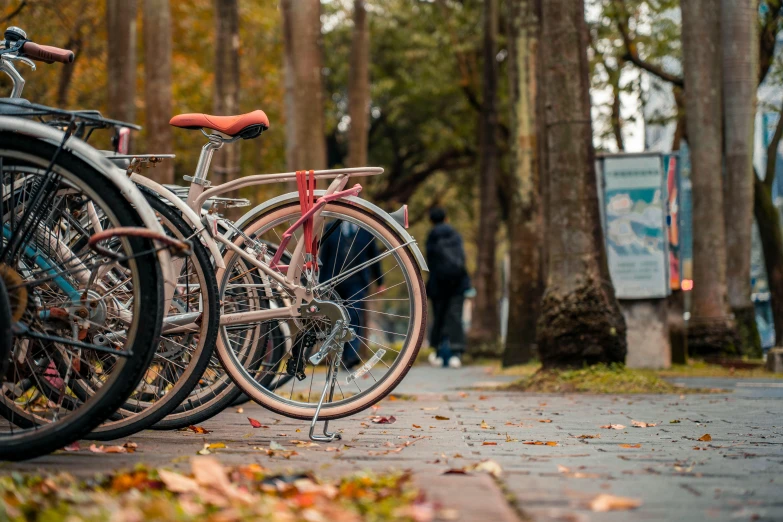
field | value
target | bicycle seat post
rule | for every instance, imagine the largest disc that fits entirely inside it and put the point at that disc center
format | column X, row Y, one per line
column 199, row 181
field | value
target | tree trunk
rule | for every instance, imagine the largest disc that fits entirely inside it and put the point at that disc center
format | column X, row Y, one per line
column 76, row 44
column 304, row 86
column 580, row 321
column 485, row 325
column 226, row 94
column 739, row 27
column 359, row 87
column 157, row 85
column 711, row 329
column 525, row 217
column 768, row 222
column 121, row 59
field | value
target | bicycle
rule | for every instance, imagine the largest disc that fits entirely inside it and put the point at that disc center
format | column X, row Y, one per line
column 269, row 294
column 81, row 256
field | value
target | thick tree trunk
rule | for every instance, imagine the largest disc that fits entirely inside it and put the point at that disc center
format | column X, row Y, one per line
column 121, row 59
column 580, row 321
column 485, row 325
column 157, row 85
column 359, row 87
column 525, row 217
column 226, row 94
column 740, row 74
column 711, row 329
column 304, row 86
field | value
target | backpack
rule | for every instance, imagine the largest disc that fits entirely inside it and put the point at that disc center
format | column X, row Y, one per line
column 449, row 262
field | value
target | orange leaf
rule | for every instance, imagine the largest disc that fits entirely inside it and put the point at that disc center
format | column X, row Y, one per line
column 547, row 421
column 630, row 445
column 604, row 502
column 441, row 417
column 487, row 443
column 256, row 424
column 705, row 438
column 613, row 427
column 198, row 429
column 640, row 424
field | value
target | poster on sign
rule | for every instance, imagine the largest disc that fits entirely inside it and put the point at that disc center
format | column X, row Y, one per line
column 637, row 239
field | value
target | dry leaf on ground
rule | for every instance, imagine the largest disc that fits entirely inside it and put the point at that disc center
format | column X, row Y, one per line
column 108, row 449
column 605, row 502
column 589, row 437
column 198, row 429
column 256, row 424
column 640, row 424
column 706, row 437
column 485, row 426
column 546, row 421
column 541, row 443
column 630, row 445
column 383, row 420
column 488, row 443
column 177, row 483
column 74, row 446
column 613, row 427
column 509, row 439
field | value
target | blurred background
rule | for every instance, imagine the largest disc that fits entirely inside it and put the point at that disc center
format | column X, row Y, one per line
column 457, row 101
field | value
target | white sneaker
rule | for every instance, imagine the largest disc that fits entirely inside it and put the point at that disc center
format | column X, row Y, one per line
column 455, row 362
column 434, row 360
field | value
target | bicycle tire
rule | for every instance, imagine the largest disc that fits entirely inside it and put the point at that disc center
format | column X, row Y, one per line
column 29, row 443
column 347, row 406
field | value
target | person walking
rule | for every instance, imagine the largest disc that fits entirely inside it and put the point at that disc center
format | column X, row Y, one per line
column 348, row 247
column 446, row 288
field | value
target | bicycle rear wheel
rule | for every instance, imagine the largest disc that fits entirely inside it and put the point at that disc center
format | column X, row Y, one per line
column 387, row 353
column 63, row 296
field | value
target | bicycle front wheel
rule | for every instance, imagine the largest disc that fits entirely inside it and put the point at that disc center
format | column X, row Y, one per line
column 387, row 307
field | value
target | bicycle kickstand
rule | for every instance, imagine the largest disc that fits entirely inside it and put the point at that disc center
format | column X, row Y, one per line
column 331, row 380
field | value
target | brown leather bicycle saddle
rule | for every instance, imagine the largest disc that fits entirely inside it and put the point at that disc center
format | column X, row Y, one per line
column 245, row 126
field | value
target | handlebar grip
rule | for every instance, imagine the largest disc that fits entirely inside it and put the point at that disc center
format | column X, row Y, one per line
column 47, row 53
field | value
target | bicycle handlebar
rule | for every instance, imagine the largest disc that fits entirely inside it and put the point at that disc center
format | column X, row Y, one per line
column 47, row 53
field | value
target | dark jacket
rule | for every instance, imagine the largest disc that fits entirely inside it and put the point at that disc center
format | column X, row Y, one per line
column 346, row 249
column 440, row 286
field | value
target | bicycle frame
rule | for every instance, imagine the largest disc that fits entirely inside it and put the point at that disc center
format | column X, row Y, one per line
column 200, row 192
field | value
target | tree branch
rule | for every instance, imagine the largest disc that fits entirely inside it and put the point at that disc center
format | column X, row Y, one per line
column 15, row 12
column 632, row 55
column 772, row 152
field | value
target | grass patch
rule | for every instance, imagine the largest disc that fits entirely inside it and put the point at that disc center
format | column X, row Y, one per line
column 696, row 368
column 210, row 493
column 599, row 379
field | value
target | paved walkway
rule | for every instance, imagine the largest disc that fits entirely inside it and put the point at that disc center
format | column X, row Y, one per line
column 735, row 476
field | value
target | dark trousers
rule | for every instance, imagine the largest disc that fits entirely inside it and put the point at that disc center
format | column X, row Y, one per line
column 447, row 324
column 354, row 293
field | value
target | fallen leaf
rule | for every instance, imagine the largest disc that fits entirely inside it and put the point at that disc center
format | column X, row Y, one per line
column 487, row 443
column 256, row 424
column 383, row 420
column 463, row 394
column 630, row 445
column 240, row 410
column 640, row 424
column 204, row 450
column 216, row 445
column 130, row 447
column 675, row 421
column 433, row 408
column 440, row 417
column 177, row 483
column 74, row 446
column 485, row 426
column 541, row 443
column 198, row 429
column 416, row 426
column 613, row 427
column 107, row 449
column 304, row 444
column 509, row 439
column 605, row 502
column 483, row 397
column 589, row 437
column 274, row 446
column 547, row 421
column 705, row 438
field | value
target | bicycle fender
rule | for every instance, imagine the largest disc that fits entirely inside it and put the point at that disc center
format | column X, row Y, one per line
column 95, row 159
column 365, row 205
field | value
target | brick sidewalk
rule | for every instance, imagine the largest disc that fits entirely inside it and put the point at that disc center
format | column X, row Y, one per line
column 732, row 477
